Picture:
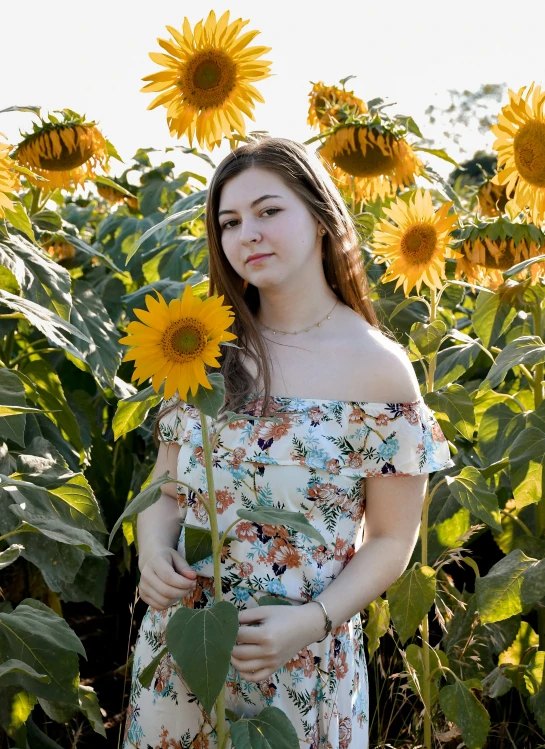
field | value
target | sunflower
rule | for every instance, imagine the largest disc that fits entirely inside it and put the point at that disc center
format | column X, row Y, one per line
column 492, row 199
column 416, row 244
column 329, row 105
column 377, row 163
column 114, row 196
column 59, row 250
column 66, row 152
column 489, row 248
column 206, row 84
column 9, row 181
column 520, row 145
column 174, row 341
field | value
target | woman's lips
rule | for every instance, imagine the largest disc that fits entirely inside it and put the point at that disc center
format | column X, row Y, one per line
column 257, row 259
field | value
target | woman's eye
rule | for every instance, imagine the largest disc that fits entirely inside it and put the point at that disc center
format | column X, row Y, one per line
column 226, row 224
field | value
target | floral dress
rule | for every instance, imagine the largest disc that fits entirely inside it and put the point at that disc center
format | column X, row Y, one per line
column 314, row 461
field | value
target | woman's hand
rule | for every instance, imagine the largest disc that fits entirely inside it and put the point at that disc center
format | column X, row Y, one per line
column 166, row 578
column 281, row 633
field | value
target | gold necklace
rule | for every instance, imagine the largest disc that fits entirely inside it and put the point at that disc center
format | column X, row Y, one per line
column 303, row 330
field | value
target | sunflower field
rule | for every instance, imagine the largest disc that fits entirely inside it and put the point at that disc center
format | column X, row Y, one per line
column 456, row 646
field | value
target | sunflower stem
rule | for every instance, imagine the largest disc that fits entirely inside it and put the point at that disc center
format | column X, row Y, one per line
column 540, row 507
column 216, row 552
column 36, row 192
column 426, row 686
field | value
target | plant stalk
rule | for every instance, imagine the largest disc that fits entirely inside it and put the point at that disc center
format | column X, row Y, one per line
column 540, row 507
column 426, row 686
column 216, row 551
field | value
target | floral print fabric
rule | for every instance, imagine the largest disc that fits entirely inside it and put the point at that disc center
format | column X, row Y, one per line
column 314, row 459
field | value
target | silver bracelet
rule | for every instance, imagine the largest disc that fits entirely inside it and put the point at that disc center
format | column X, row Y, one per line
column 328, row 622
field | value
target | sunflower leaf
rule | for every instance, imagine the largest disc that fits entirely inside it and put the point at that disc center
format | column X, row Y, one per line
column 210, row 401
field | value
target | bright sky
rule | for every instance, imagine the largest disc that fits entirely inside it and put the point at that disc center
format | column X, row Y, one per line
column 91, row 58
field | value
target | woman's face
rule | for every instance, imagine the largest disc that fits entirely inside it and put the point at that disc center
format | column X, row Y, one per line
column 259, row 215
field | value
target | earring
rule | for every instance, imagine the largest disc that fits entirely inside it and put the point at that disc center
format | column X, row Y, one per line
column 323, row 231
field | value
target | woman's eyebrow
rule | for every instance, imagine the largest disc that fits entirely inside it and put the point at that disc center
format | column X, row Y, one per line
column 252, row 204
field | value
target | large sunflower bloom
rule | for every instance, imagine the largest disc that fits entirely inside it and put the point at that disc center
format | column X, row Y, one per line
column 206, row 85
column 375, row 163
column 416, row 244
column 8, row 179
column 520, row 145
column 326, row 103
column 66, row 153
column 174, row 341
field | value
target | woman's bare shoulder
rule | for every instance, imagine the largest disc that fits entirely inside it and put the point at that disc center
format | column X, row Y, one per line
column 381, row 368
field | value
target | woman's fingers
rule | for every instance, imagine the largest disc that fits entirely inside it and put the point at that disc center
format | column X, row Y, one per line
column 246, row 652
column 251, row 635
column 255, row 664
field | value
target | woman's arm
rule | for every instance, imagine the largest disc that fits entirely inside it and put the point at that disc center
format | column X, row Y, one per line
column 158, row 526
column 392, row 521
column 393, row 513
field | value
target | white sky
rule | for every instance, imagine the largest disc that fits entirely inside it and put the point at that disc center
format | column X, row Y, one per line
column 91, row 57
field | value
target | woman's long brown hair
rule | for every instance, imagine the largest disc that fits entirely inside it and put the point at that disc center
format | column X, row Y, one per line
column 306, row 175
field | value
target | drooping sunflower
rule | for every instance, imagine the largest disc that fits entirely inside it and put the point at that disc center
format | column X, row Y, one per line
column 9, row 181
column 116, row 192
column 174, row 341
column 329, row 105
column 520, row 144
column 492, row 199
column 206, row 84
column 415, row 245
column 65, row 151
column 58, row 249
column 372, row 162
column 491, row 247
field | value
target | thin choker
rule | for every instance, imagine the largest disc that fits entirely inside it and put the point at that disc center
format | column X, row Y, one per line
column 303, row 330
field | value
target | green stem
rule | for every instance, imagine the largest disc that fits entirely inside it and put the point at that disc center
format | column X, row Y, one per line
column 540, row 507
column 426, row 686
column 36, row 192
column 216, row 551
column 20, row 529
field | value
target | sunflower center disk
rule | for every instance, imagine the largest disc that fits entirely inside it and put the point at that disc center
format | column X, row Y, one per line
column 184, row 340
column 210, row 77
column 418, row 243
column 529, row 147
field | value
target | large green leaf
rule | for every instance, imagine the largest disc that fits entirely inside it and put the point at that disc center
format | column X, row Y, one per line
column 12, row 394
column 270, row 729
column 49, row 394
column 529, row 350
column 427, row 337
column 378, row 621
column 491, row 317
column 212, row 633
column 103, row 355
column 499, row 426
column 46, row 321
column 18, row 217
column 533, row 583
column 210, row 401
column 42, row 280
column 16, row 704
column 460, row 705
column 499, row 592
column 526, row 462
column 458, row 406
column 472, row 492
column 275, row 516
column 197, row 544
column 41, row 639
column 454, row 362
column 410, row 598
column 132, row 412
column 145, row 499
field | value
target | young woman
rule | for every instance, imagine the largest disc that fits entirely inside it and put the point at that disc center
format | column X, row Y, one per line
column 355, row 441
